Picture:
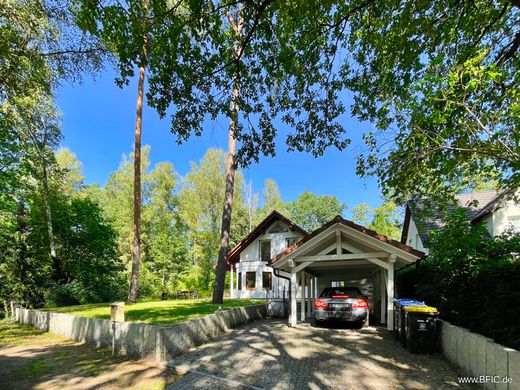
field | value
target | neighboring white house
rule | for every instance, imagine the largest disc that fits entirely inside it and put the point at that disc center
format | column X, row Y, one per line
column 248, row 261
column 497, row 210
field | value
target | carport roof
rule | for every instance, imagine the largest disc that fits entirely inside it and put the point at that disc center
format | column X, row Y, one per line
column 350, row 224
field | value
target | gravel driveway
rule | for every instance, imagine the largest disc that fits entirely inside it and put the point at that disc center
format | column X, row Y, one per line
column 270, row 355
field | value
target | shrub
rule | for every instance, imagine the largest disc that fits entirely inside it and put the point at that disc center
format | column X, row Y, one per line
column 471, row 278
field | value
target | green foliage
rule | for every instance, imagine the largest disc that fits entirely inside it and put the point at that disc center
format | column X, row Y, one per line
column 201, row 200
column 311, row 211
column 272, row 200
column 164, row 238
column 197, row 59
column 86, row 267
column 385, row 219
column 471, row 278
column 71, row 171
column 441, row 81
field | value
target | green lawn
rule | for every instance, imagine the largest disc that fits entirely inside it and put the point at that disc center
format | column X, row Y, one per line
column 33, row 359
column 156, row 312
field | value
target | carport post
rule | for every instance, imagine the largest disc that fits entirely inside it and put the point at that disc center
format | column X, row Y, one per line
column 390, row 294
column 302, row 296
column 309, row 285
column 294, row 289
column 231, row 283
column 383, row 295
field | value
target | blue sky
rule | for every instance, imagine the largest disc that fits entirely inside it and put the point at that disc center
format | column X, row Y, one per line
column 98, row 125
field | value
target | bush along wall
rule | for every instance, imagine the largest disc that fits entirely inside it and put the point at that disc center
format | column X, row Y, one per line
column 471, row 278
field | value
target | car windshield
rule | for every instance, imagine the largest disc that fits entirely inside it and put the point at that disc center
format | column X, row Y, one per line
column 341, row 292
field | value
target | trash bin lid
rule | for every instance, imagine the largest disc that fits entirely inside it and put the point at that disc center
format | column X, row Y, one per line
column 408, row 302
column 422, row 309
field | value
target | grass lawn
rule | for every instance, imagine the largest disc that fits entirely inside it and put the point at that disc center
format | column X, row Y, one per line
column 33, row 359
column 156, row 312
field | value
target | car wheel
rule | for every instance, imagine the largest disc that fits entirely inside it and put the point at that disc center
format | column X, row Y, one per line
column 319, row 323
column 360, row 324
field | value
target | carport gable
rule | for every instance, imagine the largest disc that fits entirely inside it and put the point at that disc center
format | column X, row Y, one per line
column 343, row 242
column 342, row 245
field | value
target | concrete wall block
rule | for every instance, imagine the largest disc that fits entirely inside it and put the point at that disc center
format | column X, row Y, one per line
column 449, row 341
column 41, row 320
column 497, row 363
column 502, row 363
column 490, row 363
column 473, row 354
column 513, row 371
column 140, row 340
column 97, row 332
column 480, row 362
column 462, row 352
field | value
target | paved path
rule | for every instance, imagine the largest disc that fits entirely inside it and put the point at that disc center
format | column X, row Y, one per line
column 270, row 355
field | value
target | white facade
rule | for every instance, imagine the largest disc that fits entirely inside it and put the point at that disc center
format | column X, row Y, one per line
column 414, row 239
column 250, row 262
column 504, row 217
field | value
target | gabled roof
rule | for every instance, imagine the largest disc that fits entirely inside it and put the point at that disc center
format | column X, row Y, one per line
column 474, row 203
column 350, row 224
column 234, row 255
column 493, row 204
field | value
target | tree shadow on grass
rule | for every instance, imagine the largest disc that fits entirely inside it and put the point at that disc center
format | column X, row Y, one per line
column 41, row 360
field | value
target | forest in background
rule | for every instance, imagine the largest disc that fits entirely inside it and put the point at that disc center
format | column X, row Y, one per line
column 443, row 102
column 181, row 216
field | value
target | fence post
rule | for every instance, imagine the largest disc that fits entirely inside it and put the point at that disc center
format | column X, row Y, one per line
column 13, row 307
column 117, row 314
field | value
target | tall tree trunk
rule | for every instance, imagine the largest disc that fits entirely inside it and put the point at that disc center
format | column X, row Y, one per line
column 136, row 249
column 41, row 147
column 220, row 280
column 47, row 205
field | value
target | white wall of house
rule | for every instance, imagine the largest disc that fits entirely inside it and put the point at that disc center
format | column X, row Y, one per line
column 258, row 267
column 414, row 239
column 250, row 262
column 505, row 218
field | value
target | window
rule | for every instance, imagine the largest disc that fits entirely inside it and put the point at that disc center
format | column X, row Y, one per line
column 339, row 283
column 265, row 250
column 278, row 228
column 291, row 241
column 240, row 280
column 251, row 280
column 350, row 291
column 267, row 280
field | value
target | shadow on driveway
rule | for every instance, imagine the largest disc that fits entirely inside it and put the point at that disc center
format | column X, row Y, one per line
column 268, row 354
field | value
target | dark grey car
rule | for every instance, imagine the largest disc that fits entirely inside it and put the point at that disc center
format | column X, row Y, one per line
column 341, row 303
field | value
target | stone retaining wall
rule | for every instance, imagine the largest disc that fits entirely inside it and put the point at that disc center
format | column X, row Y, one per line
column 476, row 355
column 160, row 343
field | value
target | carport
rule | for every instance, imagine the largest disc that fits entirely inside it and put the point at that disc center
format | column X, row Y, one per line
column 338, row 250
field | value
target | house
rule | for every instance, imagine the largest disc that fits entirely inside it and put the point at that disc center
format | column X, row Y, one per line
column 497, row 210
column 251, row 256
column 278, row 256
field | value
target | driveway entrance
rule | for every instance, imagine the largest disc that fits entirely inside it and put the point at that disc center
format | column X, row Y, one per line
column 270, row 355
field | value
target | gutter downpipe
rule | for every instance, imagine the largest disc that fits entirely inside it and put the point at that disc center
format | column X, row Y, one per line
column 276, row 272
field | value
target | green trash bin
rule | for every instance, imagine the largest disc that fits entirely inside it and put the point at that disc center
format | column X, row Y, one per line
column 421, row 328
